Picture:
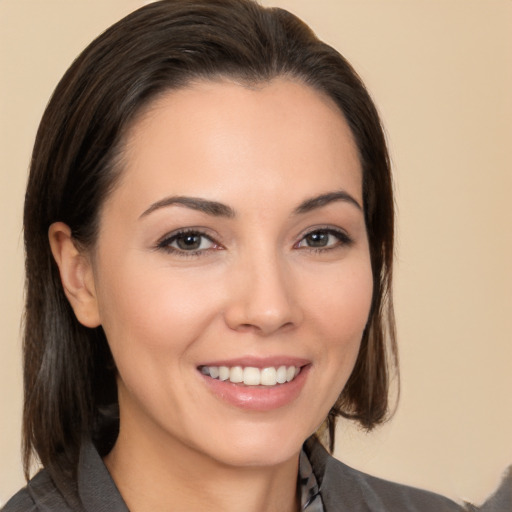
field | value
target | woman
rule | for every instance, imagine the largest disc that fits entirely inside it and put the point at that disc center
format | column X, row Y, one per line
column 209, row 240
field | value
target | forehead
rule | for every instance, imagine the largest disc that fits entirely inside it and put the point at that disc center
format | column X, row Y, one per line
column 215, row 138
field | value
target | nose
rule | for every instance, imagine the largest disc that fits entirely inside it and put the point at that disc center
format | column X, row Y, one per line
column 262, row 297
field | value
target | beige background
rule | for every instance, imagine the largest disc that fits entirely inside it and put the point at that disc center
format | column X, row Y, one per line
column 441, row 74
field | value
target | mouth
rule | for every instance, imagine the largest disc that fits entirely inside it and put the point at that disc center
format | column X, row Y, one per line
column 256, row 383
column 269, row 376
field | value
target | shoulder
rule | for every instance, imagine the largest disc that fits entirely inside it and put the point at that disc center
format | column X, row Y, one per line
column 343, row 487
column 40, row 494
column 92, row 489
column 20, row 502
column 501, row 500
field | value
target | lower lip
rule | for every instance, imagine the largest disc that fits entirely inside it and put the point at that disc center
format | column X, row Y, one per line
column 258, row 398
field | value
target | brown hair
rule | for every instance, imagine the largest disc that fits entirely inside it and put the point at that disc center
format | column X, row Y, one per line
column 69, row 376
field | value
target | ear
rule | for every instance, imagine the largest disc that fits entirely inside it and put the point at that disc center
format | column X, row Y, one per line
column 76, row 274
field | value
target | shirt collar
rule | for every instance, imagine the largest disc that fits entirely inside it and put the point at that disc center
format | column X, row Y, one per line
column 99, row 493
column 310, row 501
column 96, row 488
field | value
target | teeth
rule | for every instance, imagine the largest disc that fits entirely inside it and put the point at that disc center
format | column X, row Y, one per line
column 252, row 376
column 269, row 376
column 290, row 373
column 236, row 374
column 281, row 375
column 223, row 373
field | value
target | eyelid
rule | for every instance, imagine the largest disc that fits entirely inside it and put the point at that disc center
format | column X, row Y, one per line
column 164, row 243
column 343, row 237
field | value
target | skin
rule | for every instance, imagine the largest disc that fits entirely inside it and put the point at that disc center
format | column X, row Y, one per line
column 255, row 288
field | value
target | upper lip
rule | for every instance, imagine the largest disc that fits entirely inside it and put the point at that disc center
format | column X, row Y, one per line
column 259, row 362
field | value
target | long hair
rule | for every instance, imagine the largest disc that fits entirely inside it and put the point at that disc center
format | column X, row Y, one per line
column 69, row 375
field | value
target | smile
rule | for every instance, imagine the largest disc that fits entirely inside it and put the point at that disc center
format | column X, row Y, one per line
column 252, row 376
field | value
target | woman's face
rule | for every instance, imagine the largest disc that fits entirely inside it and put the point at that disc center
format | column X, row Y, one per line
column 234, row 247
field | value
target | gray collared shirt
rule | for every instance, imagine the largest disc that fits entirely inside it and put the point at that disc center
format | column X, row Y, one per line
column 311, row 500
column 326, row 485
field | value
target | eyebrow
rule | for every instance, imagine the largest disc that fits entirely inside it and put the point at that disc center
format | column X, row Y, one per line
column 325, row 199
column 217, row 209
column 195, row 203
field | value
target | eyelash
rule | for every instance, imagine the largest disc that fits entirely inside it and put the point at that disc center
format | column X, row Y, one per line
column 343, row 239
column 165, row 244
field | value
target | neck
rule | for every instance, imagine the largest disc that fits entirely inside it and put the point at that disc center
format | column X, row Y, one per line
column 164, row 475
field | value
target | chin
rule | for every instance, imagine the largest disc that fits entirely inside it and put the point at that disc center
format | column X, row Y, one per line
column 259, row 445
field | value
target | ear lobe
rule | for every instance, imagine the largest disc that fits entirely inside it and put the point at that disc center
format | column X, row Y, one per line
column 76, row 274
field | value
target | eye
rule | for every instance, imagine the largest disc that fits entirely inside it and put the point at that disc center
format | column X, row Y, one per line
column 187, row 243
column 191, row 242
column 324, row 239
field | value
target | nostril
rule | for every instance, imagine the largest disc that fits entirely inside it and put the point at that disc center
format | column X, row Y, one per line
column 247, row 328
column 260, row 328
column 262, row 305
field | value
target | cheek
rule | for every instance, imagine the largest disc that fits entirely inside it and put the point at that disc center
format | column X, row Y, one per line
column 153, row 321
column 342, row 303
column 340, row 310
column 155, row 309
column 337, row 302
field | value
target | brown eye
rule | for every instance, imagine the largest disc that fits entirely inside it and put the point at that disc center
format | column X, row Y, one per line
column 317, row 239
column 189, row 242
column 324, row 239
